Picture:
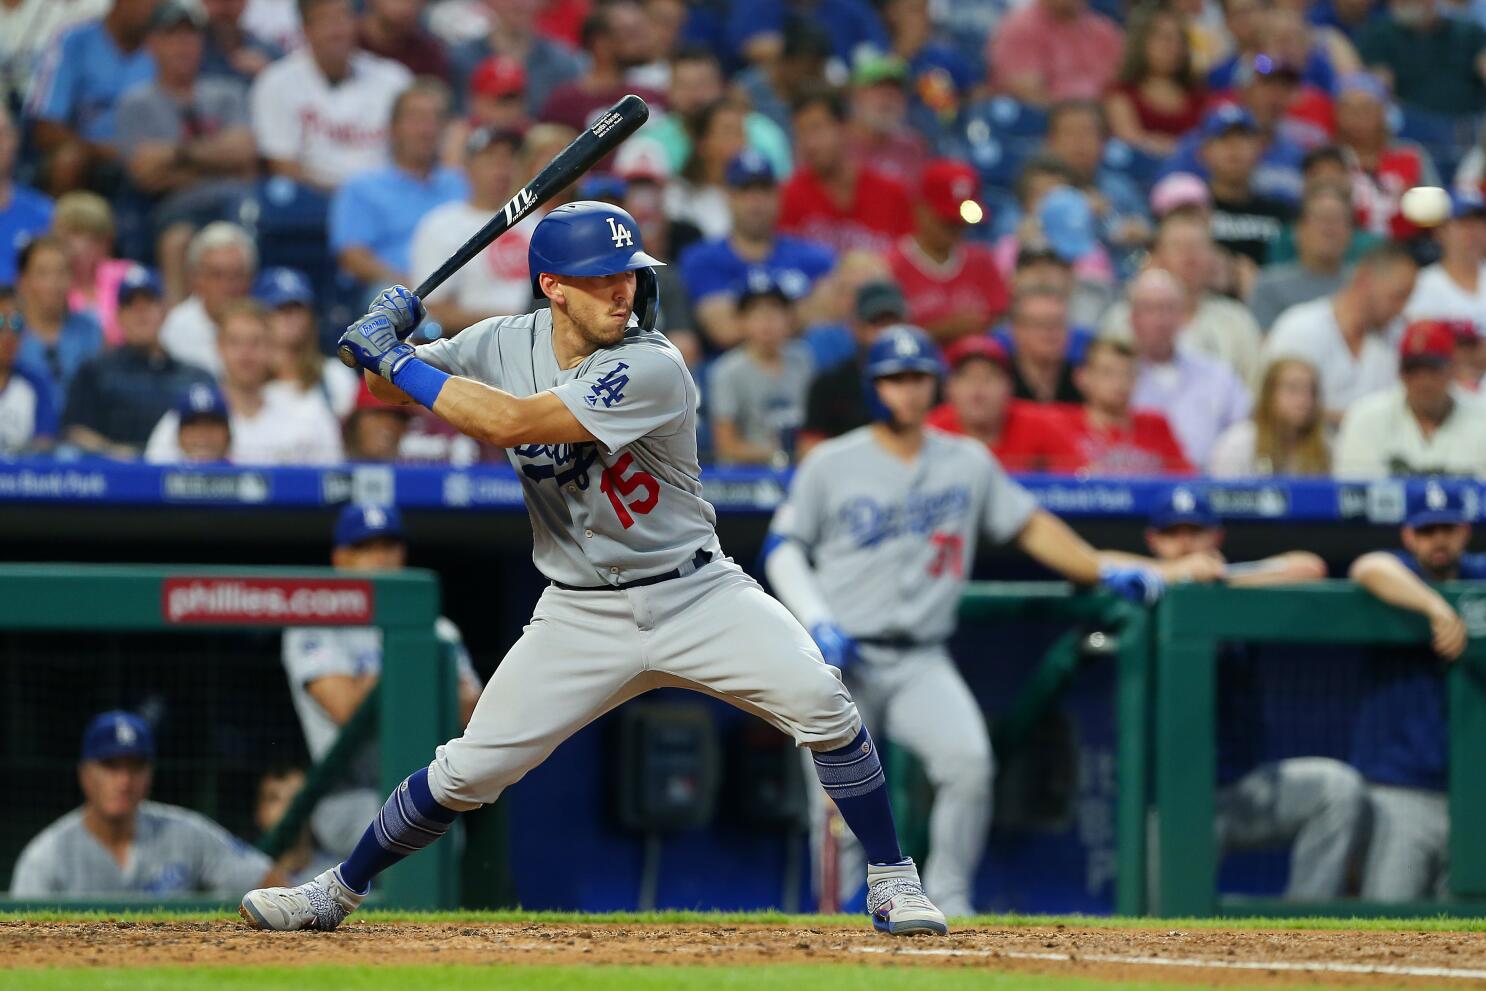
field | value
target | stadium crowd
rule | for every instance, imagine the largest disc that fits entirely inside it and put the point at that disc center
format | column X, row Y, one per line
column 1157, row 239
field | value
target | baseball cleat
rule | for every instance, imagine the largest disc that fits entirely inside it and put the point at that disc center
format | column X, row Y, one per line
column 897, row 903
column 322, row 903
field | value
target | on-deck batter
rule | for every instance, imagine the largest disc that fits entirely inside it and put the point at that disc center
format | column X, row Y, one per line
column 597, row 412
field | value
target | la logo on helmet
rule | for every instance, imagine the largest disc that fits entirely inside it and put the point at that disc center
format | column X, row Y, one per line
column 619, row 234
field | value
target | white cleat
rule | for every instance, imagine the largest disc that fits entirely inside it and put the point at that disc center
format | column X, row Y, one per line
column 897, row 903
column 322, row 903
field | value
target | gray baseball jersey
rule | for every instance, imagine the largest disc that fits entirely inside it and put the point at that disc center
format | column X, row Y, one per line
column 628, row 507
column 891, row 542
column 175, row 852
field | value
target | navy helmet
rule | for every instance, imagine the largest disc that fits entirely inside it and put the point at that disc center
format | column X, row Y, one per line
column 1182, row 505
column 592, row 238
column 359, row 522
column 118, row 734
column 899, row 348
column 1436, row 503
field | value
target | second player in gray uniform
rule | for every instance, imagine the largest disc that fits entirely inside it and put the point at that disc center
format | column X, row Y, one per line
column 597, row 412
column 871, row 551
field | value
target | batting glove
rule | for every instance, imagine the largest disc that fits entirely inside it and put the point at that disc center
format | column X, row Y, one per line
column 404, row 309
column 1139, row 585
column 839, row 650
column 373, row 341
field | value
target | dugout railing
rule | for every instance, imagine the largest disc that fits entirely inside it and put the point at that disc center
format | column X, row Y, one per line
column 414, row 708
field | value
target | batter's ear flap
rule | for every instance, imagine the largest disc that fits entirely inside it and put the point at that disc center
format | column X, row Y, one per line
column 548, row 286
column 647, row 298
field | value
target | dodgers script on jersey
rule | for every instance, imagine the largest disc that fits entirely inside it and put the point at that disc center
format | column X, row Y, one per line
column 892, row 543
column 628, row 507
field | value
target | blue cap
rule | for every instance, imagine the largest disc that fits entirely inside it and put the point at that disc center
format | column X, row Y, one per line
column 1182, row 505
column 749, row 168
column 1466, row 204
column 358, row 523
column 136, row 280
column 201, row 400
column 1068, row 223
column 602, row 186
column 1437, row 505
column 281, row 286
column 759, row 285
column 1228, row 117
column 118, row 734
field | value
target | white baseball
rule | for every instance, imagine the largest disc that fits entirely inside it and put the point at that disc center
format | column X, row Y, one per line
column 1426, row 205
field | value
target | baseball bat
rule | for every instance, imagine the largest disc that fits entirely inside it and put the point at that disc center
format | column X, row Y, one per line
column 585, row 151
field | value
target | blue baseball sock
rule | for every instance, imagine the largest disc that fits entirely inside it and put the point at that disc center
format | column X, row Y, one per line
column 410, row 821
column 852, row 776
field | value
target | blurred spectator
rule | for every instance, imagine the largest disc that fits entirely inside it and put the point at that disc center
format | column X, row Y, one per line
column 1328, row 166
column 1257, row 30
column 1347, row 16
column 1044, row 350
column 774, row 87
column 1455, row 286
column 373, row 215
column 393, row 29
column 1038, row 264
column 272, row 424
column 829, row 331
column 1051, row 50
column 1181, row 191
column 321, row 114
column 1243, row 24
column 85, row 224
column 1077, row 137
column 1325, row 53
column 830, row 198
column 120, row 843
column 978, row 403
column 614, row 36
column 24, row 212
column 1199, row 395
column 940, row 76
column 54, row 340
column 1243, row 222
column 645, row 177
column 203, row 433
column 84, row 72
column 757, row 390
column 1104, row 435
column 696, row 83
column 835, row 403
column 185, row 141
column 1470, row 357
column 497, row 281
column 232, row 48
column 878, row 130
column 220, row 263
column 1214, row 325
column 1431, row 62
column 332, row 671
column 120, row 394
column 1400, row 740
column 1055, row 213
column 275, row 21
column 1382, row 168
column 374, row 430
column 27, row 28
column 757, row 30
column 715, row 270
column 1156, row 97
column 547, row 62
column 1321, row 238
column 1347, row 336
column 953, row 288
column 495, row 99
column 294, row 336
column 698, row 193
column 277, row 789
column 1417, row 427
column 664, row 22
column 28, row 420
column 1287, row 435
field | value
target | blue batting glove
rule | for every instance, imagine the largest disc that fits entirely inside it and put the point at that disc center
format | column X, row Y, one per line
column 1135, row 584
column 404, row 309
column 372, row 340
column 839, row 650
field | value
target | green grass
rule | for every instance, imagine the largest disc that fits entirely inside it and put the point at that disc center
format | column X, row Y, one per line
column 836, row 977
column 1440, row 924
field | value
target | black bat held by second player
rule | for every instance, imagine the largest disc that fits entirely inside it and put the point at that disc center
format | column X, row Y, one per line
column 586, row 150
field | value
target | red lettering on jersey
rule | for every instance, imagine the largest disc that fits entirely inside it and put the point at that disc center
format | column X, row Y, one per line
column 614, row 484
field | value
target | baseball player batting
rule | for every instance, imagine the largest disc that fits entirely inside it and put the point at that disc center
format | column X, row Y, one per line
column 871, row 551
column 597, row 412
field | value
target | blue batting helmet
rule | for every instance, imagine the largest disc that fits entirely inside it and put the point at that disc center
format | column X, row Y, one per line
column 593, row 238
column 900, row 348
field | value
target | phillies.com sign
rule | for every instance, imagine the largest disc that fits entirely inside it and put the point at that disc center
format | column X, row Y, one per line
column 267, row 601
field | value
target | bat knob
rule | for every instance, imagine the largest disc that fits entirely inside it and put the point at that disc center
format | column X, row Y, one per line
column 348, row 357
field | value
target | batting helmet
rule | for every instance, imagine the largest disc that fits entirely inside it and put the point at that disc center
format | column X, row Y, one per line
column 592, row 238
column 899, row 348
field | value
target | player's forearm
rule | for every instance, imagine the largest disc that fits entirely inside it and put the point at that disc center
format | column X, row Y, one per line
column 1385, row 577
column 1052, row 543
column 503, row 420
column 794, row 582
column 1292, row 568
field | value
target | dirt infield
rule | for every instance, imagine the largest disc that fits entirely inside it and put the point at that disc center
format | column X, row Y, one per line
column 1204, row 957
